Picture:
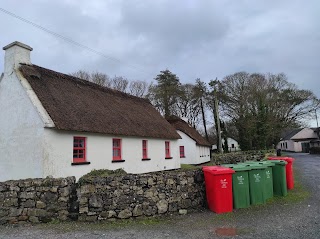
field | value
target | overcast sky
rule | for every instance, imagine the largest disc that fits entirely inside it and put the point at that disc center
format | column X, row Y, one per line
column 191, row 38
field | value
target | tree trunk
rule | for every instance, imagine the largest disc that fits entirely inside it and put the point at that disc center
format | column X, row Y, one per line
column 217, row 121
column 204, row 119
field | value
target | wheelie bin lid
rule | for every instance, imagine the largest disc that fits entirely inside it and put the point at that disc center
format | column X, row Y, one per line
column 279, row 162
column 255, row 165
column 267, row 163
column 288, row 159
column 217, row 170
column 236, row 167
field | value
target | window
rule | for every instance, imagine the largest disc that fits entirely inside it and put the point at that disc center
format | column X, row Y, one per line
column 144, row 149
column 79, row 149
column 182, row 155
column 116, row 149
column 286, row 145
column 167, row 149
column 232, row 146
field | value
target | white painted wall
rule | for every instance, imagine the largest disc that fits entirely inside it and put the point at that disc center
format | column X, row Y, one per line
column 193, row 151
column 59, row 148
column 203, row 154
column 234, row 143
column 231, row 142
column 21, row 131
column 290, row 145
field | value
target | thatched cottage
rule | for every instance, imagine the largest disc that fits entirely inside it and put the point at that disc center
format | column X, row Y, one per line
column 59, row 125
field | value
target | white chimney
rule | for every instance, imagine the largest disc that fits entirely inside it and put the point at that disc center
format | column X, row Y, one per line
column 16, row 53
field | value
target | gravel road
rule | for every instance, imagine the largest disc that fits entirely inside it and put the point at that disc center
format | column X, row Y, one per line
column 275, row 220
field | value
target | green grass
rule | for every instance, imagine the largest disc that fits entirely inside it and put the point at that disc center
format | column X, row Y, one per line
column 186, row 167
column 189, row 167
column 298, row 194
column 69, row 226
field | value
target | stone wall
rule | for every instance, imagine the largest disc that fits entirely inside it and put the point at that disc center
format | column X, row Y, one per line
column 140, row 195
column 35, row 200
column 98, row 198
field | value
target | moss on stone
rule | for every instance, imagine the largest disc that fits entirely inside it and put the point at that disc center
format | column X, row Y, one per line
column 101, row 173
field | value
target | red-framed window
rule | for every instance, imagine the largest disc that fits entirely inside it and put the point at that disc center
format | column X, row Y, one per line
column 144, row 149
column 182, row 155
column 79, row 149
column 167, row 149
column 116, row 149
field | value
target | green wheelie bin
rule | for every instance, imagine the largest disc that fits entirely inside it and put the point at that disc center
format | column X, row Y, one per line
column 269, row 178
column 240, row 185
column 279, row 178
column 257, row 178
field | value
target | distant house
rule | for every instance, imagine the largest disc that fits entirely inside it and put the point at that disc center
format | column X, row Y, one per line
column 297, row 140
column 193, row 148
column 233, row 145
column 55, row 124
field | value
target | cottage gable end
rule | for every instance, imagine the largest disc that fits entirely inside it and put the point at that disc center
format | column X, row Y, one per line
column 17, row 54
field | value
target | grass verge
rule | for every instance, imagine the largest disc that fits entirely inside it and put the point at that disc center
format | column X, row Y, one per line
column 64, row 227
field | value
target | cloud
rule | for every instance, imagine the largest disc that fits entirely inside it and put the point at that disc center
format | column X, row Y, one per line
column 205, row 39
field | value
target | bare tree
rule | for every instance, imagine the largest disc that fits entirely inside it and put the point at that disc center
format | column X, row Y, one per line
column 138, row 88
column 101, row 79
column 187, row 104
column 120, row 83
column 201, row 93
column 95, row 77
column 262, row 105
column 84, row 75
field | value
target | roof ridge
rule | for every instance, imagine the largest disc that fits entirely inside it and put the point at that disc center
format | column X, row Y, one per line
column 92, row 84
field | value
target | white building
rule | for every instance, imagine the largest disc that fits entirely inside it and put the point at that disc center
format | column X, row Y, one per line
column 55, row 124
column 297, row 140
column 233, row 145
column 193, row 148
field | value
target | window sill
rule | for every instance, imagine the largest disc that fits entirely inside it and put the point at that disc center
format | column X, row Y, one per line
column 168, row 157
column 80, row 163
column 118, row 161
column 182, row 157
column 146, row 159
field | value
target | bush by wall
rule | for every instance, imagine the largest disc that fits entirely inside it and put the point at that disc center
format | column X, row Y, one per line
column 241, row 156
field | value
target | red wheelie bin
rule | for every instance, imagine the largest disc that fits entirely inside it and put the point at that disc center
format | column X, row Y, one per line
column 218, row 181
column 289, row 170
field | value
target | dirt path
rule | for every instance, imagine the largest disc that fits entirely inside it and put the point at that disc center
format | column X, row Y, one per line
column 294, row 217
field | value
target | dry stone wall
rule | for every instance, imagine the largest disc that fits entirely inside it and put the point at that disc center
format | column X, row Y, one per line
column 35, row 200
column 140, row 195
column 100, row 198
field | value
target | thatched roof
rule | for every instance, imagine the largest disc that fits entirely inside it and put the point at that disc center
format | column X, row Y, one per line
column 184, row 127
column 78, row 105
